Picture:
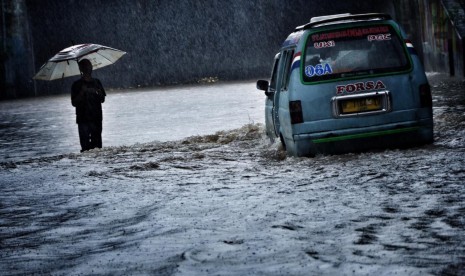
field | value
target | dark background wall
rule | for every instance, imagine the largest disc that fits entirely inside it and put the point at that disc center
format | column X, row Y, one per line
column 168, row 42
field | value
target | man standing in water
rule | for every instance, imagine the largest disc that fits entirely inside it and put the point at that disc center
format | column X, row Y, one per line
column 87, row 95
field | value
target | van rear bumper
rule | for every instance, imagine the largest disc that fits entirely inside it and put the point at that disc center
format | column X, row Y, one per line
column 396, row 135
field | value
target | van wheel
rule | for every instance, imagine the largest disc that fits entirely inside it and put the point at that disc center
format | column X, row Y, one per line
column 272, row 139
column 282, row 141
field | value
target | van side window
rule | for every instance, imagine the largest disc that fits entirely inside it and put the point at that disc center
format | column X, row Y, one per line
column 273, row 75
column 287, row 70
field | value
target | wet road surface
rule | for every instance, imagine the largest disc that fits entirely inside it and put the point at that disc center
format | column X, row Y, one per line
column 230, row 203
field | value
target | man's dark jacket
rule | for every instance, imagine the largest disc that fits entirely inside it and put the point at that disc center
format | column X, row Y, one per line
column 87, row 97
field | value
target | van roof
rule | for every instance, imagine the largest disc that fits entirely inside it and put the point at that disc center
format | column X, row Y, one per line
column 342, row 18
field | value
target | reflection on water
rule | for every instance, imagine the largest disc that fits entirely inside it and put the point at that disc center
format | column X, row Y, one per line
column 45, row 126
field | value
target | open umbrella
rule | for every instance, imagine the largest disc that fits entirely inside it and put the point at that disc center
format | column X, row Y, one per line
column 65, row 63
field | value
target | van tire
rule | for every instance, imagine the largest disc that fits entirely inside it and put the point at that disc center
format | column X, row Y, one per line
column 283, row 144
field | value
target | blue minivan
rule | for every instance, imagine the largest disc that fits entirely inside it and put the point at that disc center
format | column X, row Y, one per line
column 346, row 83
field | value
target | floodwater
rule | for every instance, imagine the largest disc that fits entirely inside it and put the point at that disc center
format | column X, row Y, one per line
column 231, row 203
column 46, row 126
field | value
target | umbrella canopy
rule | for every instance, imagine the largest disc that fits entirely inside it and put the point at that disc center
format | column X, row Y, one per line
column 65, row 63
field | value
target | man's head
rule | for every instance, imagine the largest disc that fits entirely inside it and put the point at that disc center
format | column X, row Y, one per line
column 85, row 66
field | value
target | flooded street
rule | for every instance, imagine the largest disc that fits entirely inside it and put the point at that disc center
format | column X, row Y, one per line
column 220, row 200
column 47, row 126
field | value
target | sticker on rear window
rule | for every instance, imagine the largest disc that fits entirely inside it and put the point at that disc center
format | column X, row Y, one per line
column 356, row 32
column 318, row 70
column 324, row 44
column 379, row 37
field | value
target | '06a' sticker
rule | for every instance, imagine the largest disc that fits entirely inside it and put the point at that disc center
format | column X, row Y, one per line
column 318, row 70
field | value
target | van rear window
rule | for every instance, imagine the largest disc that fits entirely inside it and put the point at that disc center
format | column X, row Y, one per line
column 354, row 52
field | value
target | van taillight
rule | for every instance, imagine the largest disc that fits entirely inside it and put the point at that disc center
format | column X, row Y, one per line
column 425, row 96
column 295, row 108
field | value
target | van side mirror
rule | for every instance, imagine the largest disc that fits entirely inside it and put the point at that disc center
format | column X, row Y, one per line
column 263, row 85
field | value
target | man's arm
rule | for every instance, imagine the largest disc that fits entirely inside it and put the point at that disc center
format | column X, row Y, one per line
column 101, row 93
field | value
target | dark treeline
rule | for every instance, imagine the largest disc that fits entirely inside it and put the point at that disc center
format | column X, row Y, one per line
column 168, row 42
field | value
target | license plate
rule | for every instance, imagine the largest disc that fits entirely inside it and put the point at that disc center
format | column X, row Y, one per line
column 360, row 105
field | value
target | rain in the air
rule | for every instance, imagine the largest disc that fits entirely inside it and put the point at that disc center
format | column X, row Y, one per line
column 232, row 138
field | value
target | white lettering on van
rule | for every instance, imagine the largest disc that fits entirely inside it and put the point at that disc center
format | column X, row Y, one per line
column 359, row 86
column 324, row 44
column 379, row 37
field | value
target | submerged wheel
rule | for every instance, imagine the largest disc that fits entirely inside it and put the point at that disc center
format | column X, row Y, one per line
column 283, row 144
